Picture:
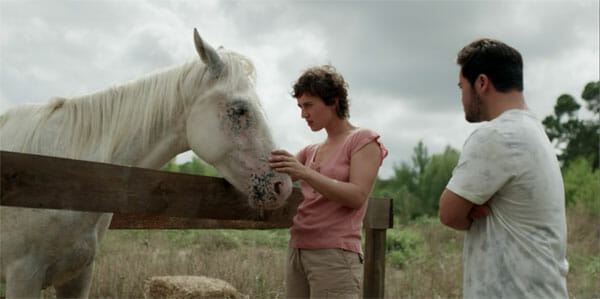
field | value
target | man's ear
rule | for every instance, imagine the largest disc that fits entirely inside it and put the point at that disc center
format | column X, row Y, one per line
column 482, row 83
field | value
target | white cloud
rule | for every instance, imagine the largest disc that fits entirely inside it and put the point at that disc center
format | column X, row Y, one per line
column 398, row 56
column 4, row 102
column 546, row 80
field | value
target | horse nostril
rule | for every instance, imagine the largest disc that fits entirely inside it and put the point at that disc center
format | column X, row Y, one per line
column 277, row 188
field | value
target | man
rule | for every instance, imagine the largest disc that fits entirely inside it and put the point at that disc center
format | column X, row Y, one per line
column 506, row 191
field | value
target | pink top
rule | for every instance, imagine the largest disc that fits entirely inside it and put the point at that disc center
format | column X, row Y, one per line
column 319, row 222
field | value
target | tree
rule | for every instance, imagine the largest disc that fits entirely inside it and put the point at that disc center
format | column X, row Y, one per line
column 194, row 166
column 591, row 94
column 198, row 167
column 416, row 189
column 420, row 157
column 406, row 176
column 572, row 136
column 435, row 178
column 402, row 187
column 171, row 166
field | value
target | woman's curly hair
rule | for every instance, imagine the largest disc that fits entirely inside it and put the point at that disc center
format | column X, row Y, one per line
column 324, row 82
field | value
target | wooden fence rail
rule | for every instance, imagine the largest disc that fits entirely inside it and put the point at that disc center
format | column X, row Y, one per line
column 151, row 199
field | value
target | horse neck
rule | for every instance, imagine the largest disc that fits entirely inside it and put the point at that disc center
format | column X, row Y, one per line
column 164, row 147
column 142, row 123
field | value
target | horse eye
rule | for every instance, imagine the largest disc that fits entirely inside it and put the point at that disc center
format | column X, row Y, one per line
column 238, row 109
column 241, row 111
column 239, row 115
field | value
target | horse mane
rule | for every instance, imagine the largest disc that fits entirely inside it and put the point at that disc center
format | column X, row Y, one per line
column 104, row 119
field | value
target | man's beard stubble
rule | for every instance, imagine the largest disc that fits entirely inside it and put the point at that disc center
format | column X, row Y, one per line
column 474, row 113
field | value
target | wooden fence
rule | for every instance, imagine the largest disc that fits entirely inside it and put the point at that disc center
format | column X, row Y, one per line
column 151, row 199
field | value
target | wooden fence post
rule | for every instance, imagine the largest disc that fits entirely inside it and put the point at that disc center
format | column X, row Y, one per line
column 374, row 272
column 376, row 224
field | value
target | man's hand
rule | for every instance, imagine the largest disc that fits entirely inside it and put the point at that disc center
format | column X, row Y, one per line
column 480, row 211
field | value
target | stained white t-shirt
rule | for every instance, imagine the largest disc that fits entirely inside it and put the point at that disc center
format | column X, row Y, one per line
column 519, row 250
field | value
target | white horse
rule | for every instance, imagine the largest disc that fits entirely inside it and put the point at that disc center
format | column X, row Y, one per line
column 210, row 108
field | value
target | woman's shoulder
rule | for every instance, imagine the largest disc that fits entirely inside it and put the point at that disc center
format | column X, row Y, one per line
column 363, row 136
column 361, row 133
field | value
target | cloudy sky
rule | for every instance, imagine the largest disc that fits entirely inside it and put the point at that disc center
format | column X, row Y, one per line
column 397, row 56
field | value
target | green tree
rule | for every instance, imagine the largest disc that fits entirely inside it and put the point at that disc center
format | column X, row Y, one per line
column 198, row 167
column 405, row 175
column 435, row 178
column 402, row 188
column 395, row 187
column 171, row 166
column 572, row 136
column 416, row 188
column 591, row 94
column 420, row 158
column 194, row 166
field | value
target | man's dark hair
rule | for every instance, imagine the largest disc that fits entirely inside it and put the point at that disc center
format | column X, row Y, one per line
column 324, row 82
column 501, row 63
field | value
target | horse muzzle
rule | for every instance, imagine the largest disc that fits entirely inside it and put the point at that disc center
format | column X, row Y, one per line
column 270, row 190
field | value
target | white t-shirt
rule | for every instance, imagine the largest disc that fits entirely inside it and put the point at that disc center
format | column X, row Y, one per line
column 519, row 250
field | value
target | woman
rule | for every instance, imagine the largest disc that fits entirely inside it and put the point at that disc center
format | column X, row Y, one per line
column 325, row 256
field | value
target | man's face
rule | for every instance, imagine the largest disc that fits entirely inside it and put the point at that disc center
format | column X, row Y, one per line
column 472, row 103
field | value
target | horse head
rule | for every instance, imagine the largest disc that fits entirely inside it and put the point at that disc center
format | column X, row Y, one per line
column 226, row 127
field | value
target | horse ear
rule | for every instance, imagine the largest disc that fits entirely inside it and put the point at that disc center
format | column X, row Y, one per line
column 208, row 55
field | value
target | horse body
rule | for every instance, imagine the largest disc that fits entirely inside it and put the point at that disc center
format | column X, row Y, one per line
column 209, row 107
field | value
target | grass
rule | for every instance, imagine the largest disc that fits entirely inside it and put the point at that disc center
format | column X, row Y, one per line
column 434, row 271
column 428, row 265
column 583, row 252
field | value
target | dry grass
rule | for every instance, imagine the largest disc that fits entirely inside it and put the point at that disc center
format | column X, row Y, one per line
column 256, row 268
column 436, row 273
column 248, row 269
column 583, row 252
column 127, row 258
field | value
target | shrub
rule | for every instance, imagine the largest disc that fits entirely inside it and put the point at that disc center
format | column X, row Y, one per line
column 582, row 186
column 403, row 245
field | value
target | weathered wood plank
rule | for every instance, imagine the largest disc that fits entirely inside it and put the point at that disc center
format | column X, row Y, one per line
column 373, row 219
column 132, row 221
column 56, row 183
column 144, row 198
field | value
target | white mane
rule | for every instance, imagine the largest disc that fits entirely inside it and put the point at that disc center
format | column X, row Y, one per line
column 104, row 119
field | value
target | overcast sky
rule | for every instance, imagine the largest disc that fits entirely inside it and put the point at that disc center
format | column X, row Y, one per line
column 397, row 56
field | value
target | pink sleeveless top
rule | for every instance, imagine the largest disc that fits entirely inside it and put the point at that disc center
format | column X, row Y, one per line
column 319, row 222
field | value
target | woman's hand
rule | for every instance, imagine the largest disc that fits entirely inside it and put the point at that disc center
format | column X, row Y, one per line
column 282, row 161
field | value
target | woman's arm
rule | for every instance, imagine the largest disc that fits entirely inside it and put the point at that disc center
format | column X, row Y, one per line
column 364, row 165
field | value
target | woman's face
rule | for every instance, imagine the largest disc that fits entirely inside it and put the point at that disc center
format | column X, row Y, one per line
column 315, row 112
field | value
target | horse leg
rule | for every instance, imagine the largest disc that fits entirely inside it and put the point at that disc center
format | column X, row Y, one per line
column 78, row 287
column 24, row 280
